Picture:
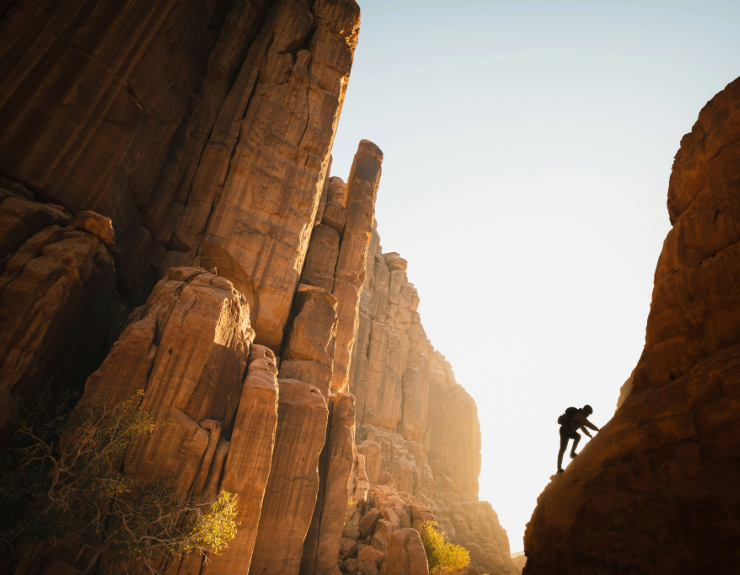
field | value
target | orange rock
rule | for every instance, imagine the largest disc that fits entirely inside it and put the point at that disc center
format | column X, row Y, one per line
column 350, row 272
column 294, row 480
column 417, row 429
column 95, row 224
column 313, row 327
column 249, row 459
column 656, row 491
column 368, row 560
column 406, row 554
column 56, row 301
column 324, row 539
column 192, row 337
column 258, row 232
column 321, row 259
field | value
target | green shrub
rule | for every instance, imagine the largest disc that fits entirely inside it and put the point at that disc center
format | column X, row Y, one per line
column 351, row 521
column 63, row 482
column 442, row 555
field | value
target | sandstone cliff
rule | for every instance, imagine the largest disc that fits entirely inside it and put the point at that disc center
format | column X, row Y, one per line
column 168, row 230
column 656, row 491
column 417, row 428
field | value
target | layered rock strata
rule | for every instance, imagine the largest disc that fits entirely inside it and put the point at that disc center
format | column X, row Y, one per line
column 417, row 428
column 656, row 491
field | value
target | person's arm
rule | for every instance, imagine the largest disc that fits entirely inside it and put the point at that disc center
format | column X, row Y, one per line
column 587, row 423
column 584, row 430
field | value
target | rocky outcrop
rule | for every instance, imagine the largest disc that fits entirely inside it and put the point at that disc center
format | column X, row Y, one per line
column 57, row 284
column 291, row 491
column 252, row 211
column 656, row 491
column 203, row 129
column 362, row 188
column 406, row 554
column 186, row 350
column 96, row 101
column 417, row 428
column 323, row 541
column 313, row 328
column 519, row 559
column 249, row 460
column 192, row 142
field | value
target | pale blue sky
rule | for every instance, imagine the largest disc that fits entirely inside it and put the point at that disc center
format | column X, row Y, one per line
column 527, row 148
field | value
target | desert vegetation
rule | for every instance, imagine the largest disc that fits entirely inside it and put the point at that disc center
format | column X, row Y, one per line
column 444, row 557
column 62, row 485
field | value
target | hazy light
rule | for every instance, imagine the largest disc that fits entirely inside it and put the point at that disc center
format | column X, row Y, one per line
column 528, row 147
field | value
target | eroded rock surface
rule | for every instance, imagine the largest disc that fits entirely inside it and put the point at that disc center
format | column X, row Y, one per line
column 656, row 491
column 57, row 284
column 291, row 491
column 417, row 428
column 183, row 151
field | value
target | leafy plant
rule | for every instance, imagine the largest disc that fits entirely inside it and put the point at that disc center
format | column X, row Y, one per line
column 63, row 482
column 443, row 556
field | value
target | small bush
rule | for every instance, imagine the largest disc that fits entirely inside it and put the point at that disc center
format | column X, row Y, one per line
column 442, row 555
column 63, row 482
column 351, row 521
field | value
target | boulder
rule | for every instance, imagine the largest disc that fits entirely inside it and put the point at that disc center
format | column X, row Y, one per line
column 368, row 560
column 406, row 554
column 368, row 521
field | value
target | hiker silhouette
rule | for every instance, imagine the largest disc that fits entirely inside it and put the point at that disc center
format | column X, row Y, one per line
column 570, row 422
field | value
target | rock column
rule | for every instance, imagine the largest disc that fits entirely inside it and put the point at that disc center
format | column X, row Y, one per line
column 294, row 480
column 249, row 459
column 362, row 187
column 321, row 547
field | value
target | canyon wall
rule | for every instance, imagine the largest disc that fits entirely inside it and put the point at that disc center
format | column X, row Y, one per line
column 417, row 428
column 169, row 232
column 657, row 491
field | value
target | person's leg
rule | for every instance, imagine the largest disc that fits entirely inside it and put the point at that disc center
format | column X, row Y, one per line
column 576, row 439
column 563, row 445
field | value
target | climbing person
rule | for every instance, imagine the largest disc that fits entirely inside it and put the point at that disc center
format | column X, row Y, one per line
column 570, row 422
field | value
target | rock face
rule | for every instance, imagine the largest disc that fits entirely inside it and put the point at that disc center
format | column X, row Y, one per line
column 656, row 491
column 353, row 252
column 306, row 355
column 191, row 338
column 169, row 205
column 252, row 214
column 406, row 554
column 57, row 284
column 203, row 129
column 322, row 544
column 417, row 429
column 294, row 480
column 249, row 459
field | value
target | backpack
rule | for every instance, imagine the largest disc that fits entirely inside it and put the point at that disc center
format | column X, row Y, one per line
column 566, row 417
